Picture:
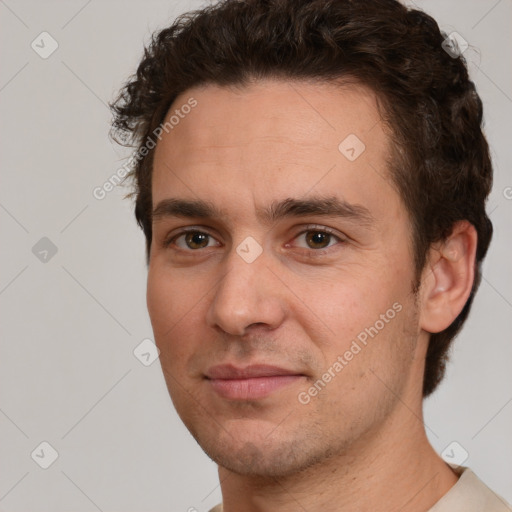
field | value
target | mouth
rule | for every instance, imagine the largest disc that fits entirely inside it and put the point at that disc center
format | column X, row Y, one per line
column 251, row 382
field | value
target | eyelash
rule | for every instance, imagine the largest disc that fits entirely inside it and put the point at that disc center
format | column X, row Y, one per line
column 312, row 228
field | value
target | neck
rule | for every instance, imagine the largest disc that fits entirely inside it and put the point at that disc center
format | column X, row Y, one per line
column 393, row 469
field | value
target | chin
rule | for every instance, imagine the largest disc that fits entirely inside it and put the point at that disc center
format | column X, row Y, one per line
column 268, row 458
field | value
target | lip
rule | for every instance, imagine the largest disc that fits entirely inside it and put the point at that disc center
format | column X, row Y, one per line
column 229, row 371
column 251, row 382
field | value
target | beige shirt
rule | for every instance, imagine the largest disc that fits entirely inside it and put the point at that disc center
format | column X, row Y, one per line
column 469, row 494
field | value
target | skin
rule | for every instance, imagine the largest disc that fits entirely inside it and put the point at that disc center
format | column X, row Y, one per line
column 360, row 443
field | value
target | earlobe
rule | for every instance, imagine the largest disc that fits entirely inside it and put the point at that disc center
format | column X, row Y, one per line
column 447, row 278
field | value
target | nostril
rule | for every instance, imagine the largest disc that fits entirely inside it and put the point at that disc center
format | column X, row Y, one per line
column 257, row 325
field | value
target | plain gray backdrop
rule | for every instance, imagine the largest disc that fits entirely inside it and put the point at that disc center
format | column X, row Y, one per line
column 72, row 284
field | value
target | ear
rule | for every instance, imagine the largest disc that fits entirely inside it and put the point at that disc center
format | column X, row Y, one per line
column 447, row 278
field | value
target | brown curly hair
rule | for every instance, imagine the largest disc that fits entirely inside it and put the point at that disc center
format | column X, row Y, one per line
column 440, row 163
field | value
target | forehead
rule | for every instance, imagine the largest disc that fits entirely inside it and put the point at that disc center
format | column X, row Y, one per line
column 274, row 139
column 299, row 112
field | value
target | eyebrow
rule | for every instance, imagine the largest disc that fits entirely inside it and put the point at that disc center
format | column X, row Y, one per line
column 290, row 207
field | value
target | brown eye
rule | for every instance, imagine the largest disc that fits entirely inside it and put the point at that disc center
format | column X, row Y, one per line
column 192, row 240
column 318, row 239
column 196, row 240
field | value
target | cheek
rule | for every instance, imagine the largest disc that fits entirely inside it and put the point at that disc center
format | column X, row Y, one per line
column 359, row 315
column 363, row 378
column 344, row 303
column 161, row 302
column 175, row 312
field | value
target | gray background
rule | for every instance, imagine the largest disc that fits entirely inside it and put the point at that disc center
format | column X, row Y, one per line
column 69, row 325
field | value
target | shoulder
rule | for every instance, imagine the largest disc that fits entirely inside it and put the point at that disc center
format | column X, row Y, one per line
column 470, row 494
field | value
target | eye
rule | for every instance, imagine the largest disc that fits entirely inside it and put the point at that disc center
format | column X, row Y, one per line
column 193, row 240
column 316, row 239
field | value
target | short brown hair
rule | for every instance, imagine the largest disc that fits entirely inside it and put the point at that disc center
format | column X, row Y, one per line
column 440, row 164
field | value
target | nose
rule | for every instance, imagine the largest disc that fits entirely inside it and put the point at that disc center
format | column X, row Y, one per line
column 249, row 294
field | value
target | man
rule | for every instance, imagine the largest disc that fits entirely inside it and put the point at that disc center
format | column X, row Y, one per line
column 311, row 178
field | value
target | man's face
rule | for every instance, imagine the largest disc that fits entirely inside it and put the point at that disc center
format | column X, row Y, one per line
column 328, row 260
